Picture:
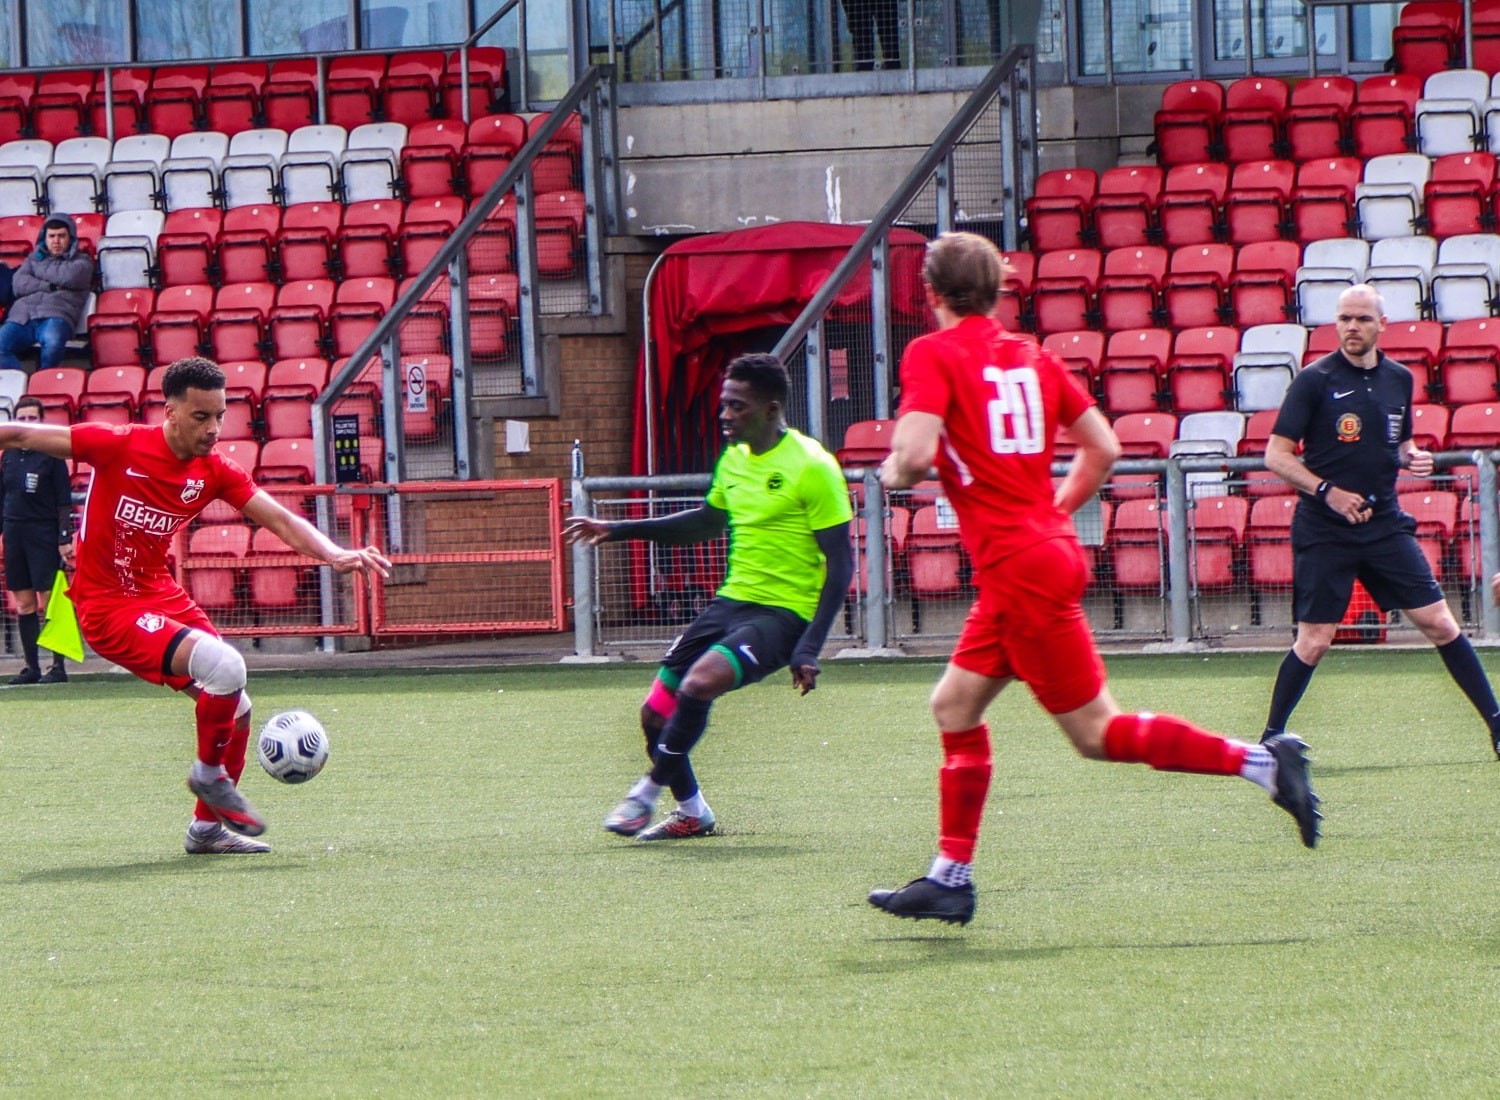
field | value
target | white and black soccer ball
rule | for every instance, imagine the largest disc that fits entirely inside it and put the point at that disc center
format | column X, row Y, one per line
column 293, row 746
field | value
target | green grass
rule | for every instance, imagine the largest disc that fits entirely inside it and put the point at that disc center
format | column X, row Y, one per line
column 442, row 915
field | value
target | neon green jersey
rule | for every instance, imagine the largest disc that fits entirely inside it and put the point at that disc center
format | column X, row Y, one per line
column 775, row 501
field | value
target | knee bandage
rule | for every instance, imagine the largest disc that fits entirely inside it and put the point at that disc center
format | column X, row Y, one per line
column 216, row 665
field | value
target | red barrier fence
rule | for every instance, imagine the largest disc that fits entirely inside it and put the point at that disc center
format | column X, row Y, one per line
column 470, row 557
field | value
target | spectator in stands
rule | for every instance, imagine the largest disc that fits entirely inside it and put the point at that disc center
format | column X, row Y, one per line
column 790, row 562
column 36, row 502
column 865, row 18
column 51, row 288
column 984, row 406
column 1351, row 412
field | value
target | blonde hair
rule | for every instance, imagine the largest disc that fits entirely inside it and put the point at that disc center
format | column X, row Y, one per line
column 966, row 271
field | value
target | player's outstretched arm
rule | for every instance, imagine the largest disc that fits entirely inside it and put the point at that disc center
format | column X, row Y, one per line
column 680, row 528
column 50, row 439
column 304, row 538
column 834, row 542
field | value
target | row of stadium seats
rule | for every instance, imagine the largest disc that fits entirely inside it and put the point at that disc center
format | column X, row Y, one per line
column 265, row 404
column 317, row 240
column 314, row 163
column 1393, row 195
column 232, row 96
column 1429, row 36
column 1260, row 118
column 312, row 318
column 1262, row 283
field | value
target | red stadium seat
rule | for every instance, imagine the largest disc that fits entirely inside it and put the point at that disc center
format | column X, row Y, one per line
column 215, row 587
column 1192, row 203
column 304, row 247
column 1136, row 545
column 1257, row 204
column 187, row 245
column 1146, row 435
column 1129, row 289
column 1456, row 198
column 351, row 93
column 1057, row 213
column 1381, row 119
column 409, row 89
column 1015, row 296
column 1316, row 122
column 358, row 306
column 1250, row 124
column 298, row 323
column 1467, row 370
column 176, row 327
column 1269, row 543
column 493, row 142
column 1082, row 352
column 278, row 588
column 430, row 158
column 1135, row 363
column 1062, row 291
column 1427, row 37
column 289, row 97
column 935, row 560
column 232, row 98
column 1322, row 205
column 286, row 403
column 117, row 327
column 558, row 166
column 127, row 98
column 1217, row 533
column 1187, row 126
column 1260, row 287
column 1474, row 426
column 1193, row 290
column 1418, row 346
column 486, row 82
column 1436, row 513
column 247, row 243
column 1429, row 426
column 866, row 443
column 236, row 329
column 1125, row 207
column 366, row 241
column 1198, row 373
column 112, row 395
column 174, row 102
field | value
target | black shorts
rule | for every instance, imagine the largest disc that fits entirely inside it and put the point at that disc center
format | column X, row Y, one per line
column 1392, row 568
column 756, row 639
column 32, row 558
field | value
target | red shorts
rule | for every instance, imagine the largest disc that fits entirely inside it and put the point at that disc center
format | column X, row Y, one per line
column 136, row 633
column 1028, row 623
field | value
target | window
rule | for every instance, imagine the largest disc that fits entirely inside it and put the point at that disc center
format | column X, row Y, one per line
column 186, row 29
column 75, row 32
column 388, row 24
column 1147, row 36
column 298, row 26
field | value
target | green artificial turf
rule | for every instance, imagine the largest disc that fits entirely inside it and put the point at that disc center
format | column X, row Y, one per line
column 443, row 916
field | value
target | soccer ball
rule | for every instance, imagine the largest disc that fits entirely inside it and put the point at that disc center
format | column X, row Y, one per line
column 293, row 746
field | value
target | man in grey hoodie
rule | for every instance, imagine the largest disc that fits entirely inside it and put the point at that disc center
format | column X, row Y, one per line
column 51, row 288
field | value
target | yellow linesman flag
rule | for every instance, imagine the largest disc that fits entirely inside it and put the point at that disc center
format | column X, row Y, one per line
column 60, row 633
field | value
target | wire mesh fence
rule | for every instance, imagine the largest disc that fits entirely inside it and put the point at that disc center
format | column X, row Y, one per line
column 1236, row 552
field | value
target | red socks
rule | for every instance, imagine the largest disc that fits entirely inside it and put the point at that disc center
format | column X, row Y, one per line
column 215, row 725
column 963, row 785
column 1170, row 744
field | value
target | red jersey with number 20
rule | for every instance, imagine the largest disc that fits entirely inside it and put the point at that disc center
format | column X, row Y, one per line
column 141, row 495
column 1001, row 397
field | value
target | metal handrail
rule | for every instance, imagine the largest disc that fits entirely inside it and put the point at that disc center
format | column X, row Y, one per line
column 386, row 330
column 885, row 219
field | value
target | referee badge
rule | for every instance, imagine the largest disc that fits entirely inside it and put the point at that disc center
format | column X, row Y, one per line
column 1348, row 428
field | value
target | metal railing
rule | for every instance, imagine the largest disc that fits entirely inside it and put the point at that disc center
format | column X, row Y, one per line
column 985, row 154
column 642, row 594
column 592, row 100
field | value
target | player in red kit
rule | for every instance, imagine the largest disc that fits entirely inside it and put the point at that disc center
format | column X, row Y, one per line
column 984, row 405
column 149, row 482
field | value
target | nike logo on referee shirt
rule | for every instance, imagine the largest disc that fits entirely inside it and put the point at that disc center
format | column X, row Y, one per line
column 1337, row 395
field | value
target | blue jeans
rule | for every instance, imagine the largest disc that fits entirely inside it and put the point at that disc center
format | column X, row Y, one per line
column 50, row 332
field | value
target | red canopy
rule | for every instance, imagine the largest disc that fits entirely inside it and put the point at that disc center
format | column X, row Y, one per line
column 716, row 296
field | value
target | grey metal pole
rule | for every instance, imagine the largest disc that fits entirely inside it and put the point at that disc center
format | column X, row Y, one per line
column 1489, row 540
column 583, row 566
column 875, row 571
column 880, row 323
column 1177, row 553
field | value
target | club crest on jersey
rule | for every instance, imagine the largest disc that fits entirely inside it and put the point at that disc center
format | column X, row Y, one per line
column 775, row 482
column 192, row 490
column 1348, row 428
column 151, row 622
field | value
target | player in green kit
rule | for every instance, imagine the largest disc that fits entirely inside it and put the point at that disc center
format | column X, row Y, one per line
column 786, row 505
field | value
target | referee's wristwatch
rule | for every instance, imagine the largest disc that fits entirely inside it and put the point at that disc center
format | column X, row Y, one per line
column 1321, row 492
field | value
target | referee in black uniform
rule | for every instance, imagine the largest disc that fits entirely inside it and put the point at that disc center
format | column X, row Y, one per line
column 1351, row 411
column 36, row 503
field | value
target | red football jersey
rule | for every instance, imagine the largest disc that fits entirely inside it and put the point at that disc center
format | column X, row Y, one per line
column 141, row 494
column 1001, row 397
